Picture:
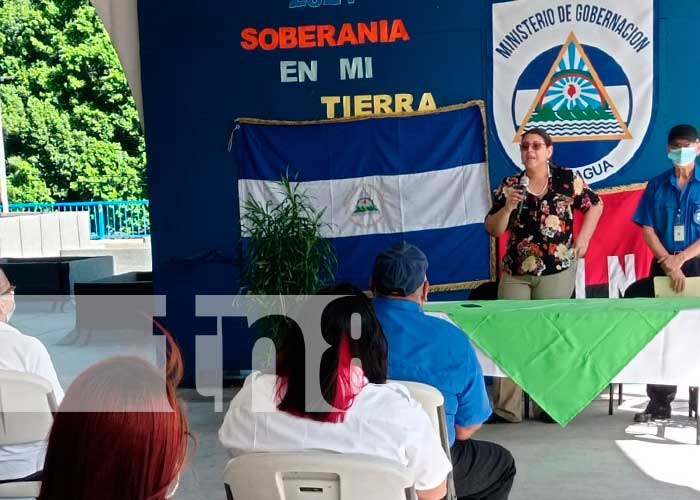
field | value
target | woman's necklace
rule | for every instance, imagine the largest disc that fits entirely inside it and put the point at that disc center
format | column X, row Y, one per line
column 544, row 187
column 541, row 191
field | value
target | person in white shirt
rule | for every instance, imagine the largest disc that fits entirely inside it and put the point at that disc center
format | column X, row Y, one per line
column 26, row 354
column 369, row 416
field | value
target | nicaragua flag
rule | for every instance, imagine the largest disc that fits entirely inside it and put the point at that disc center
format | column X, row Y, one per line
column 421, row 178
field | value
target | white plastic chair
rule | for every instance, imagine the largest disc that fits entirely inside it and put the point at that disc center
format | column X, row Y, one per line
column 26, row 405
column 662, row 288
column 433, row 403
column 316, row 475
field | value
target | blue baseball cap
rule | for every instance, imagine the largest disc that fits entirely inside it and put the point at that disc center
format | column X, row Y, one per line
column 399, row 269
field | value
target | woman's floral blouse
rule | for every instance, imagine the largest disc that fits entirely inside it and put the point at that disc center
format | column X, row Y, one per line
column 540, row 240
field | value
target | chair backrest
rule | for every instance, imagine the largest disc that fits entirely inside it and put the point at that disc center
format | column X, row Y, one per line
column 23, row 489
column 316, row 475
column 428, row 396
column 26, row 405
column 433, row 403
column 662, row 287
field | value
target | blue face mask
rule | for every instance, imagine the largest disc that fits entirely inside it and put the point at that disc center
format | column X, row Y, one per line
column 682, row 156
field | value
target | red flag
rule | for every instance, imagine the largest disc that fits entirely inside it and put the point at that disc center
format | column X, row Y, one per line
column 617, row 244
column 616, row 236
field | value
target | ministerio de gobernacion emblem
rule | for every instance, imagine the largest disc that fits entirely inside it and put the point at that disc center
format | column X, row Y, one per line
column 588, row 82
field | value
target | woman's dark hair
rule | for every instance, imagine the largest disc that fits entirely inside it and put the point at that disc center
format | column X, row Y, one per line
column 336, row 374
column 542, row 133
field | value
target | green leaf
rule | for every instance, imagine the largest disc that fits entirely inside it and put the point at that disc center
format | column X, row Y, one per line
column 286, row 254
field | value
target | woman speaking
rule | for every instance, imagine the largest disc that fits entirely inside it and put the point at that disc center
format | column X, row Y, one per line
column 536, row 208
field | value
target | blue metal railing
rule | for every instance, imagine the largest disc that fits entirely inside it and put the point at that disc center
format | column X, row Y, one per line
column 108, row 219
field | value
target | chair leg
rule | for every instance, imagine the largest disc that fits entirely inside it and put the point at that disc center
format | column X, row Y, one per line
column 693, row 402
column 690, row 404
column 697, row 418
column 619, row 394
column 527, row 405
column 694, row 406
column 611, row 391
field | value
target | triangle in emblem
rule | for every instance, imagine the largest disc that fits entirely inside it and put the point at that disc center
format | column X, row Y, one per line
column 572, row 103
column 365, row 203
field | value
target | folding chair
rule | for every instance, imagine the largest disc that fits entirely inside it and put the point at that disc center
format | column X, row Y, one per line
column 433, row 403
column 316, row 475
column 662, row 288
column 27, row 404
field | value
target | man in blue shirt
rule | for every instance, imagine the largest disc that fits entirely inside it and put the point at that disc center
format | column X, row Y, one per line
column 430, row 350
column 669, row 214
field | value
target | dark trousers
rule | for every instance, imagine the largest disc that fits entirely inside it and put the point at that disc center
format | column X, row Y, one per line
column 482, row 470
column 31, row 477
column 660, row 396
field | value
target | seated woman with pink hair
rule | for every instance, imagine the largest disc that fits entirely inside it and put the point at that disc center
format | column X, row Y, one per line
column 368, row 416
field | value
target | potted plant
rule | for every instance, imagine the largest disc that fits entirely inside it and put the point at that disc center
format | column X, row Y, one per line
column 285, row 253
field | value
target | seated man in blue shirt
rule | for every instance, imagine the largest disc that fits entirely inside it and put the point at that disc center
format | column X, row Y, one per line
column 430, row 350
column 669, row 214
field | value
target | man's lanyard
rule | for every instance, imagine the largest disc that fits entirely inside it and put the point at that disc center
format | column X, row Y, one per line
column 678, row 227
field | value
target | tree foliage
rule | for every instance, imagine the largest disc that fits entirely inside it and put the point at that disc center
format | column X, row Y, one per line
column 72, row 130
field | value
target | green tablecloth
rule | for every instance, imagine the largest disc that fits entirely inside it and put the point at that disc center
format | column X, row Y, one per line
column 563, row 353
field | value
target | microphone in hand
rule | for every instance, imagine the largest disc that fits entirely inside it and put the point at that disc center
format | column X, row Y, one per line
column 524, row 183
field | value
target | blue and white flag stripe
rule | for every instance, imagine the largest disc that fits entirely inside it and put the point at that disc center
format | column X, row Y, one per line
column 420, row 178
column 459, row 257
column 402, row 201
column 367, row 147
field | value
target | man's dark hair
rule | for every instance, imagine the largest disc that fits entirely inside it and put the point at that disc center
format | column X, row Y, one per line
column 683, row 132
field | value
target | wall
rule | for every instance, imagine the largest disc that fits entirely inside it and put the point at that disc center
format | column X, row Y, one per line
column 43, row 235
column 197, row 79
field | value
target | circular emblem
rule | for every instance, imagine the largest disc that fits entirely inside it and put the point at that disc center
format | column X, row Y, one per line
column 696, row 216
column 591, row 95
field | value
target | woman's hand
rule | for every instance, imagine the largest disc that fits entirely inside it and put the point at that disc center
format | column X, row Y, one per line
column 581, row 246
column 514, row 197
column 497, row 223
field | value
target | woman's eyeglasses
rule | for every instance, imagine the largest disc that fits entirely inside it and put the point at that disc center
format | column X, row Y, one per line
column 536, row 146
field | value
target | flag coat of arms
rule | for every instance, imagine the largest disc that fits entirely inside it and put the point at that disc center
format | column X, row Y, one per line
column 420, row 177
